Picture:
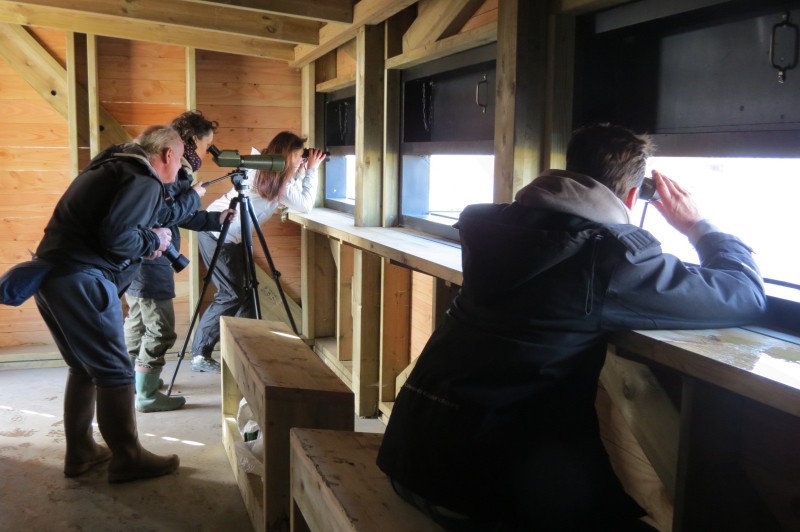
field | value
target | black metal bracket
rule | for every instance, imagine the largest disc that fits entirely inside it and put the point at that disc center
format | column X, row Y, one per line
column 783, row 48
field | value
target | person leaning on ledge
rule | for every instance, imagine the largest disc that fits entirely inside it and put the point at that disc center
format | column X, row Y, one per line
column 101, row 228
column 496, row 428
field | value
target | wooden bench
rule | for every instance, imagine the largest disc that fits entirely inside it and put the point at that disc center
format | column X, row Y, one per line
column 336, row 486
column 286, row 385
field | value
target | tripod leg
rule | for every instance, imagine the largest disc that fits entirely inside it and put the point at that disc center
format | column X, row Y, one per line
column 248, row 262
column 206, row 282
column 275, row 273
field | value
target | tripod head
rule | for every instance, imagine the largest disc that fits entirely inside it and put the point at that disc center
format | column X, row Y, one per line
column 238, row 178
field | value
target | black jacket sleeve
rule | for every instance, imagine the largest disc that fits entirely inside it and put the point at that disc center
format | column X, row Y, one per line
column 125, row 230
column 649, row 289
column 183, row 202
column 202, row 221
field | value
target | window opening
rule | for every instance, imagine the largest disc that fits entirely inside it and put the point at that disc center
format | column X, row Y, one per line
column 752, row 198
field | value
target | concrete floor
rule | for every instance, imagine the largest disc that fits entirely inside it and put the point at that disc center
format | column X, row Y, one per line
column 35, row 495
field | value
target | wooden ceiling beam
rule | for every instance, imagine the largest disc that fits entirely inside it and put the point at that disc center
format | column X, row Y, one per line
column 331, row 36
column 29, row 14
column 200, row 16
column 437, row 19
column 322, row 10
column 48, row 78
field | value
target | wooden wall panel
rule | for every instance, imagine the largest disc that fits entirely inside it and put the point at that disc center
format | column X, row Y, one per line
column 139, row 84
column 253, row 99
column 34, row 171
column 421, row 312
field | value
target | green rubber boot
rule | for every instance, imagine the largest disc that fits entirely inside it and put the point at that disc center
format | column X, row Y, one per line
column 148, row 398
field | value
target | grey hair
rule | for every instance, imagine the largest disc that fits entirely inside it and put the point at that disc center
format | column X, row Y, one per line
column 155, row 139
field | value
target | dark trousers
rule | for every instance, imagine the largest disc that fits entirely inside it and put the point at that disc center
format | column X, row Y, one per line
column 84, row 315
column 231, row 299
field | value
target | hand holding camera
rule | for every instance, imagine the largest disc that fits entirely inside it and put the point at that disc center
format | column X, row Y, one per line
column 165, row 248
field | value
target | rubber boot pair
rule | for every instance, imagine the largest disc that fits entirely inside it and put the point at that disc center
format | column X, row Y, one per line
column 148, row 398
column 117, row 420
column 83, row 452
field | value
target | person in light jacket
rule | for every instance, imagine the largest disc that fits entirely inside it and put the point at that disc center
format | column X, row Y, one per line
column 295, row 187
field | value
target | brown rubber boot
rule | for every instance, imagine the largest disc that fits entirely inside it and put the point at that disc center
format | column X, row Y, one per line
column 83, row 452
column 117, row 419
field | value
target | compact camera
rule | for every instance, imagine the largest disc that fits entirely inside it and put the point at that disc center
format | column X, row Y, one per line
column 178, row 261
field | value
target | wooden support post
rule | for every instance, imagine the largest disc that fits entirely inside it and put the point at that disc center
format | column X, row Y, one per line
column 318, row 285
column 395, row 327
column 344, row 302
column 369, row 125
column 366, row 331
column 520, row 87
column 77, row 120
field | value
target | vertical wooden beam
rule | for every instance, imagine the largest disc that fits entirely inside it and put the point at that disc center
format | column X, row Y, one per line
column 366, row 331
column 560, row 81
column 344, row 303
column 369, row 125
column 190, row 69
column 310, row 126
column 396, row 27
column 520, row 88
column 317, row 285
column 72, row 104
column 92, row 80
column 308, row 103
column 77, row 113
column 395, row 328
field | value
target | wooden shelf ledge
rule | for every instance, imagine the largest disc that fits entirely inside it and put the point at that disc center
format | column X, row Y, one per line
column 425, row 253
column 754, row 365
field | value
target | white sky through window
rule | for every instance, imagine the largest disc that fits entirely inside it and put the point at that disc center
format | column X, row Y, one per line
column 755, row 199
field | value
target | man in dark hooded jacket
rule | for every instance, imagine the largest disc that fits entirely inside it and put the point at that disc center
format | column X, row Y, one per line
column 496, row 428
column 101, row 228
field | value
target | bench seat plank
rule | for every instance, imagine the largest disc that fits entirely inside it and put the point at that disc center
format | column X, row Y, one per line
column 337, row 487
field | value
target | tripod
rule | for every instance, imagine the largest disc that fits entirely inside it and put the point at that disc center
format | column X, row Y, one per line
column 246, row 216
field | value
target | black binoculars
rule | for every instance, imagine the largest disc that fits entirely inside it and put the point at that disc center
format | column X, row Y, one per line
column 648, row 191
column 306, row 151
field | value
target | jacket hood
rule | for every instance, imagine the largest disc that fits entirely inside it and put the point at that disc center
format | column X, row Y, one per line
column 124, row 152
column 505, row 246
column 576, row 194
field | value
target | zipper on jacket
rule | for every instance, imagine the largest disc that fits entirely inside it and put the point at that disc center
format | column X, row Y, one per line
column 588, row 305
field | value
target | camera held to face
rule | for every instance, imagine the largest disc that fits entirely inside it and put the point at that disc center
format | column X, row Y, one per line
column 178, row 261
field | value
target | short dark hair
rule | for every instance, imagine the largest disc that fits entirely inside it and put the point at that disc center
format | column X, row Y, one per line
column 613, row 155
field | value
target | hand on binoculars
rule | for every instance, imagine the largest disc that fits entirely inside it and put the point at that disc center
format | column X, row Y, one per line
column 315, row 157
column 675, row 204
